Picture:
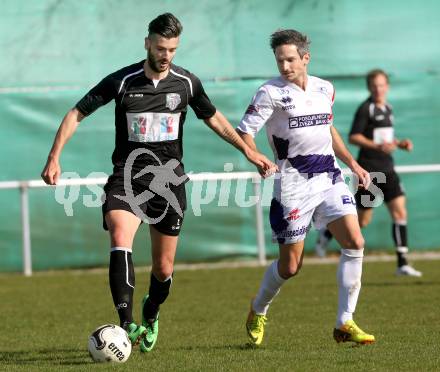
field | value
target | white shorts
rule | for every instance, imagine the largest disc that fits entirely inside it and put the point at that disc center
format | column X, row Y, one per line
column 290, row 219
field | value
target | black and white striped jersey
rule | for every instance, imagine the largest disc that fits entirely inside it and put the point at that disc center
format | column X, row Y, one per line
column 148, row 114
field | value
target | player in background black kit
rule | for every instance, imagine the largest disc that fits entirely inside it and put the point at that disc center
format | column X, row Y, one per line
column 148, row 181
column 372, row 130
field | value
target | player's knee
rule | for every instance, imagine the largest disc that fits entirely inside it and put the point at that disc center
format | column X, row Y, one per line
column 162, row 271
column 399, row 215
column 355, row 242
column 120, row 237
column 290, row 269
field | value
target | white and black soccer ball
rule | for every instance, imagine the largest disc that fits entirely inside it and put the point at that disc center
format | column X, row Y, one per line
column 109, row 343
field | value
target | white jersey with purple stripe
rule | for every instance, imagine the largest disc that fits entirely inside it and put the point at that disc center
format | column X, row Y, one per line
column 297, row 125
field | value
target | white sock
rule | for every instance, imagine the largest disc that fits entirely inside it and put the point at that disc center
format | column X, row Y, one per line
column 349, row 282
column 269, row 288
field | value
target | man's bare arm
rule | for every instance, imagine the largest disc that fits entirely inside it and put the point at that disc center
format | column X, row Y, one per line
column 248, row 140
column 52, row 169
column 360, row 140
column 344, row 155
column 219, row 124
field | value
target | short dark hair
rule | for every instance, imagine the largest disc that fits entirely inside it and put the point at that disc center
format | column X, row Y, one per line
column 166, row 25
column 371, row 75
column 282, row 37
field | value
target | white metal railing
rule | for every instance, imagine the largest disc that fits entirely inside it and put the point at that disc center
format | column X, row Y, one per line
column 24, row 186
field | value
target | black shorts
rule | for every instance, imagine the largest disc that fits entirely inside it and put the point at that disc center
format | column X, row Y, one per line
column 391, row 189
column 166, row 215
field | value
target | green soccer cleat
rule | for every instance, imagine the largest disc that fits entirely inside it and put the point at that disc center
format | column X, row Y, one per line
column 351, row 332
column 152, row 327
column 135, row 333
column 255, row 327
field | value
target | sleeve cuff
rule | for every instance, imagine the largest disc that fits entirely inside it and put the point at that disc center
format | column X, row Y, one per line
column 245, row 131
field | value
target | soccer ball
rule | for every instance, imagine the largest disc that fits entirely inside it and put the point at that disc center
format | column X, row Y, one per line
column 109, row 343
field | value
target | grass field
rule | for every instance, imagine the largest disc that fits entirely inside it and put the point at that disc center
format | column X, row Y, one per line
column 47, row 319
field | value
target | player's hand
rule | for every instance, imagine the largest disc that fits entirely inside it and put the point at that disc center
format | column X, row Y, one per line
column 265, row 167
column 361, row 174
column 51, row 172
column 388, row 147
column 406, row 144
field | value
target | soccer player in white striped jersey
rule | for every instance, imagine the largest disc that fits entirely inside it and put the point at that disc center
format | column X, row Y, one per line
column 296, row 111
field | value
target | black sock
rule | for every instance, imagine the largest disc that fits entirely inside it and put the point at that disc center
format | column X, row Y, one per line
column 158, row 293
column 122, row 281
column 401, row 241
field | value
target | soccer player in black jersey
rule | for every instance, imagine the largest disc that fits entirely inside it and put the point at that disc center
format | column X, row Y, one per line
column 148, row 181
column 372, row 130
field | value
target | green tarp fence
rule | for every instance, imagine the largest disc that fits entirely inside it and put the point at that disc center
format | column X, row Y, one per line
column 53, row 51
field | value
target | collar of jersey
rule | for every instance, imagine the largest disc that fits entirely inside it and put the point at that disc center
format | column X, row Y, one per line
column 293, row 85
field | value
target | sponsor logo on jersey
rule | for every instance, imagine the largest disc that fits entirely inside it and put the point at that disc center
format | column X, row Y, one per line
column 309, row 120
column 152, row 126
column 286, row 100
column 293, row 214
column 139, row 125
column 172, row 101
column 135, row 95
column 166, row 124
column 288, row 107
column 252, row 110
